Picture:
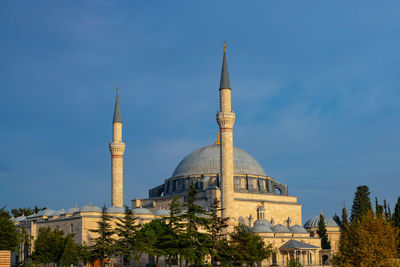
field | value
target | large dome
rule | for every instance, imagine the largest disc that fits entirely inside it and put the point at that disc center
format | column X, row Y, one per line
column 206, row 160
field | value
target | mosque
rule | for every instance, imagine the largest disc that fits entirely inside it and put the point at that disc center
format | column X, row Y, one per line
column 248, row 195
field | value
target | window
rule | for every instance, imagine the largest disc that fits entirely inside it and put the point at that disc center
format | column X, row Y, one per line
column 237, row 182
column 71, row 228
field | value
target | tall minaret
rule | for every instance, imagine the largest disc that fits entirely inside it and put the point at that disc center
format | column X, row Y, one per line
column 226, row 119
column 117, row 148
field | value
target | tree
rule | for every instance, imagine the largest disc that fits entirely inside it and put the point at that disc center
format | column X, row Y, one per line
column 361, row 203
column 173, row 241
column 126, row 230
column 195, row 242
column 103, row 245
column 369, row 240
column 216, row 228
column 70, row 255
column 325, row 244
column 378, row 208
column 9, row 237
column 151, row 237
column 248, row 247
column 345, row 220
column 338, row 220
column 25, row 211
column 49, row 246
column 396, row 217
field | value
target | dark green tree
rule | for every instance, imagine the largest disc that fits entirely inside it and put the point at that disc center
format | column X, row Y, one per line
column 49, row 246
column 345, row 218
column 152, row 238
column 70, row 255
column 378, row 208
column 396, row 219
column 196, row 242
column 338, row 220
column 126, row 230
column 325, row 244
column 361, row 203
column 248, row 247
column 104, row 245
column 173, row 241
column 216, row 228
column 9, row 237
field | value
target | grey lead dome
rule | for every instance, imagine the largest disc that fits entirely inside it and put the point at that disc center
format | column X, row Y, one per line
column 206, row 160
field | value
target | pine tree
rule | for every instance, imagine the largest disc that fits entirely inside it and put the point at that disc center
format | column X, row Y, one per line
column 196, row 242
column 325, row 244
column 103, row 245
column 126, row 229
column 9, row 237
column 216, row 229
column 248, row 247
column 361, row 203
column 396, row 214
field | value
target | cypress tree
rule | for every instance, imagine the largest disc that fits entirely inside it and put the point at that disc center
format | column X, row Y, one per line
column 345, row 220
column 361, row 203
column 325, row 244
column 338, row 220
column 378, row 208
column 396, row 214
column 70, row 254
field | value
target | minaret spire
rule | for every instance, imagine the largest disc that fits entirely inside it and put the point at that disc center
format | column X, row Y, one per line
column 225, row 120
column 117, row 148
column 117, row 112
column 224, row 83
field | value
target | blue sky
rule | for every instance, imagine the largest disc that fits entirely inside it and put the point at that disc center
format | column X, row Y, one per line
column 315, row 88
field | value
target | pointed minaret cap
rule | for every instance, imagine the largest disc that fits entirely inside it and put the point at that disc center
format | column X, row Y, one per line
column 117, row 113
column 224, row 84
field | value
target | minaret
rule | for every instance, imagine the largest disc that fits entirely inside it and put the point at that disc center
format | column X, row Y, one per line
column 226, row 119
column 117, row 148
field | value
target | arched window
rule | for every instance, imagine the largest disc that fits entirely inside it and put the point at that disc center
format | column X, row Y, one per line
column 71, row 228
column 260, row 213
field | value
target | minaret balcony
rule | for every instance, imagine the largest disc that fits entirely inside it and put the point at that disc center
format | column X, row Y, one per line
column 225, row 119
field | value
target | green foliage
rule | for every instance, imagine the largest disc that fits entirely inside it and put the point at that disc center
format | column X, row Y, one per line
column 345, row 220
column 127, row 232
column 361, row 203
column 325, row 244
column 248, row 247
column 216, row 228
column 49, row 246
column 103, row 245
column 369, row 240
column 294, row 263
column 9, row 237
column 338, row 220
column 25, row 211
column 378, row 208
column 71, row 253
column 195, row 242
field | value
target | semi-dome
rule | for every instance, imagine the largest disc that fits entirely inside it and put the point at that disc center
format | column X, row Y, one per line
column 90, row 208
column 115, row 209
column 313, row 222
column 141, row 211
column 297, row 229
column 206, row 160
column 262, row 226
